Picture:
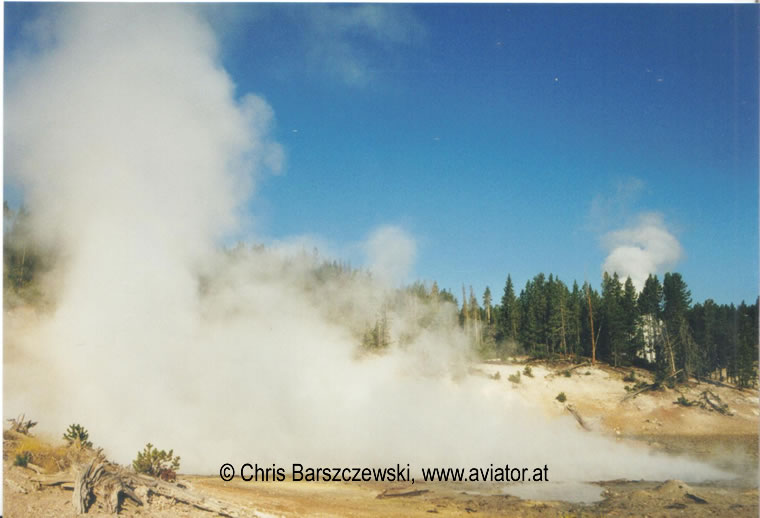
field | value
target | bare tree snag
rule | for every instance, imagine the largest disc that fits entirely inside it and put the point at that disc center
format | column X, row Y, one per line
column 647, row 387
column 20, row 425
column 591, row 320
column 110, row 485
column 570, row 408
column 714, row 401
column 670, row 351
column 391, row 493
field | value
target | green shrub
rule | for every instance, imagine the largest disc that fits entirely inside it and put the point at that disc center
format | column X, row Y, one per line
column 567, row 373
column 77, row 434
column 156, row 463
column 22, row 459
column 514, row 378
column 561, row 397
column 528, row 371
column 630, row 377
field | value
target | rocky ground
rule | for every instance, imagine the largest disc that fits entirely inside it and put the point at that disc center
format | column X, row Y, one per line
column 728, row 440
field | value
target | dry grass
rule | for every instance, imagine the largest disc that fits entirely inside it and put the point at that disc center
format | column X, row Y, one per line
column 49, row 457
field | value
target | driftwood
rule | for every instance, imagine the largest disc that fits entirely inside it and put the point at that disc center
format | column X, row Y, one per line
column 416, row 492
column 35, row 468
column 714, row 401
column 584, row 364
column 695, row 498
column 63, row 480
column 20, row 425
column 570, row 408
column 110, row 485
column 718, row 383
column 98, row 480
column 707, row 400
column 648, row 387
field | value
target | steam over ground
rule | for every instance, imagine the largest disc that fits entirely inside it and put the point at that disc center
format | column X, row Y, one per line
column 136, row 155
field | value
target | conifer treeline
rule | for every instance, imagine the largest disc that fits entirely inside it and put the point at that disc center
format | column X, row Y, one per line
column 658, row 328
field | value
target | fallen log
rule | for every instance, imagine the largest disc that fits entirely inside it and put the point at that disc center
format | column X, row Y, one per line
column 416, row 492
column 110, row 484
column 60, row 479
column 718, row 383
column 169, row 490
column 584, row 364
column 570, row 408
column 717, row 404
column 648, row 387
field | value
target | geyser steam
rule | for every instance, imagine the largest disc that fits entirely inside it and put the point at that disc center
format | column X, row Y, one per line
column 640, row 249
column 135, row 155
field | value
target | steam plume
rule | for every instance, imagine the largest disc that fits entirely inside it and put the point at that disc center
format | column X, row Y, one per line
column 136, row 155
column 644, row 248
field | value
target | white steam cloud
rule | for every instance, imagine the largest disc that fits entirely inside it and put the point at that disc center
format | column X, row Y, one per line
column 643, row 248
column 391, row 252
column 135, row 155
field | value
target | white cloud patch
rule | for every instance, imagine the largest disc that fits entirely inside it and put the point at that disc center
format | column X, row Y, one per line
column 611, row 207
column 643, row 248
column 340, row 37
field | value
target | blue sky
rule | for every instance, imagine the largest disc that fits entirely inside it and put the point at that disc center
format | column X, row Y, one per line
column 506, row 138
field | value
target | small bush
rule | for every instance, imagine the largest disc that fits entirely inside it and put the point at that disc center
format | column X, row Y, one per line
column 496, row 376
column 630, row 377
column 514, row 378
column 156, row 463
column 528, row 371
column 77, row 434
column 567, row 373
column 561, row 397
column 588, row 373
column 22, row 459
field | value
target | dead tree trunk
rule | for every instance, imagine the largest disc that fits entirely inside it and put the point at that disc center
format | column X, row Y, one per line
column 100, row 481
column 591, row 320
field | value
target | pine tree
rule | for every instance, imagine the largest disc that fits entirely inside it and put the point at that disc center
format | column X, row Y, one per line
column 534, row 311
column 650, row 304
column 574, row 319
column 589, row 326
column 510, row 312
column 632, row 329
column 487, row 305
column 556, row 319
column 474, row 317
column 612, row 326
column 678, row 336
column 747, row 353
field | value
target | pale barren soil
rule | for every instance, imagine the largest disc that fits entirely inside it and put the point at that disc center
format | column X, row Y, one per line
column 729, row 442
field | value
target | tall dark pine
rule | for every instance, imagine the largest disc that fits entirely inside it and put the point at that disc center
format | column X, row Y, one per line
column 632, row 329
column 510, row 312
column 677, row 333
column 487, row 305
column 612, row 331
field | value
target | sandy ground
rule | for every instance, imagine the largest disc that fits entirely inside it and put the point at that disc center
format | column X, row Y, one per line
column 730, row 442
